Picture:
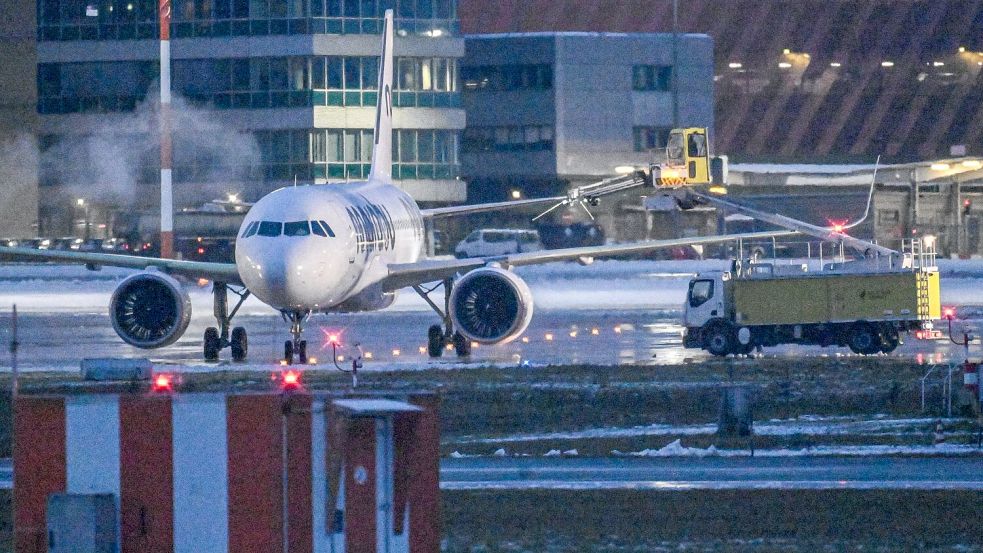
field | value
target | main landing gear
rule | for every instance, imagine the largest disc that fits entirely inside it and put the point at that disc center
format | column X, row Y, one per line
column 295, row 347
column 217, row 339
column 438, row 337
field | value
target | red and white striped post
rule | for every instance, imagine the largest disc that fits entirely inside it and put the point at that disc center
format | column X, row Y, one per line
column 166, row 147
column 226, row 473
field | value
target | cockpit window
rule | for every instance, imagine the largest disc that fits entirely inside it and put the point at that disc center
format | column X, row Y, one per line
column 296, row 228
column 251, row 229
column 270, row 228
column 316, row 229
column 327, row 229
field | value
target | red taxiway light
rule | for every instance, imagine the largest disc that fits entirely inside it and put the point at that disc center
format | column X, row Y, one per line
column 163, row 383
column 291, row 380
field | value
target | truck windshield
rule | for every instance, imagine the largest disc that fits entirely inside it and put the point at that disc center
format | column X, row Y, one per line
column 700, row 291
column 675, row 149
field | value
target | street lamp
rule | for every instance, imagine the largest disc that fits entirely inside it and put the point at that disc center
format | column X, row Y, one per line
column 80, row 202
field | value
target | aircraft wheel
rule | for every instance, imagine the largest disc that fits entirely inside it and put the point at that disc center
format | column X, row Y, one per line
column 435, row 341
column 239, row 344
column 461, row 345
column 288, row 352
column 212, row 344
column 302, row 352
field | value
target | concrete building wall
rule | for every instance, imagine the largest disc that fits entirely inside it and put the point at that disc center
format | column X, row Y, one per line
column 597, row 107
column 18, row 119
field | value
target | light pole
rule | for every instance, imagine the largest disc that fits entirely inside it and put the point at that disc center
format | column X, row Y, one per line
column 675, row 64
column 85, row 214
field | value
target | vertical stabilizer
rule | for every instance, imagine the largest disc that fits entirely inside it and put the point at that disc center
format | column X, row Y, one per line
column 382, row 162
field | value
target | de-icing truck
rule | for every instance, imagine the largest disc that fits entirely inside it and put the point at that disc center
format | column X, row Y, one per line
column 855, row 305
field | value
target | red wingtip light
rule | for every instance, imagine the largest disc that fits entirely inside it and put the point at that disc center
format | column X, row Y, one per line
column 838, row 228
column 163, row 383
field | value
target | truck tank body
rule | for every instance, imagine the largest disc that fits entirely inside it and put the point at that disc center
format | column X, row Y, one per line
column 837, row 298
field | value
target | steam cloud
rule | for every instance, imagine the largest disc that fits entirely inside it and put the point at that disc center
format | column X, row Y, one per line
column 18, row 170
column 121, row 152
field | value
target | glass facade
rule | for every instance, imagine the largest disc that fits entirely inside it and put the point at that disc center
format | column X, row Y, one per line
column 537, row 76
column 650, row 138
column 304, row 154
column 248, row 83
column 346, row 154
column 137, row 19
column 93, row 86
column 525, row 138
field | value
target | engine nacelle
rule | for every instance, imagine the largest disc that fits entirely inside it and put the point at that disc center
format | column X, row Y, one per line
column 150, row 310
column 491, row 306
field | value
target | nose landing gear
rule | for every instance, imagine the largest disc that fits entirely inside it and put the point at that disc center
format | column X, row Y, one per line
column 297, row 346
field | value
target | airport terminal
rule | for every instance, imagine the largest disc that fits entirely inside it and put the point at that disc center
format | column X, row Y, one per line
column 445, row 275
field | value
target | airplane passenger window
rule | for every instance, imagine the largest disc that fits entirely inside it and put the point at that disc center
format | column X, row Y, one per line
column 270, row 228
column 327, row 229
column 251, row 229
column 296, row 228
column 317, row 229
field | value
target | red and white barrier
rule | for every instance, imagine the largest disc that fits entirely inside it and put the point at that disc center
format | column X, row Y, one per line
column 206, row 472
column 971, row 378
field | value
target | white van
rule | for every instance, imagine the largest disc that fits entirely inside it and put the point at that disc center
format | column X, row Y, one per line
column 486, row 242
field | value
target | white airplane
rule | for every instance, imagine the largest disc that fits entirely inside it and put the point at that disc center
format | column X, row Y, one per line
column 342, row 248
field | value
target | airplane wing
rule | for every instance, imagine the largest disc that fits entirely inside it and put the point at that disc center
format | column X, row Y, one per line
column 824, row 233
column 584, row 195
column 429, row 270
column 222, row 272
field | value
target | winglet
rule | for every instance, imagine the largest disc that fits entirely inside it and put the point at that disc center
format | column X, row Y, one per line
column 382, row 149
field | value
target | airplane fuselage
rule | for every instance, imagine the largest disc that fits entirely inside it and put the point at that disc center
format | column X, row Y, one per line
column 326, row 247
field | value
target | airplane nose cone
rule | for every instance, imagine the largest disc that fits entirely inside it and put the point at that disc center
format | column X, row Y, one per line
column 292, row 281
column 291, row 278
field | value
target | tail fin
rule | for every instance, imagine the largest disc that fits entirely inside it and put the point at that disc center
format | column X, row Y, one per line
column 382, row 152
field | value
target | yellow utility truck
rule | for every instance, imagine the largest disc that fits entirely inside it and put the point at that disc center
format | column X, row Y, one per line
column 761, row 305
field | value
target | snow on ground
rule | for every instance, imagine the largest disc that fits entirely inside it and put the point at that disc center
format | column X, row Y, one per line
column 676, row 449
column 643, row 285
column 807, row 425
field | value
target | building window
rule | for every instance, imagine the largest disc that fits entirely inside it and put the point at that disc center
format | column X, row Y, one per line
column 652, row 77
column 93, row 86
column 137, row 19
column 650, row 138
column 346, row 154
column 508, row 77
column 888, row 216
column 527, row 138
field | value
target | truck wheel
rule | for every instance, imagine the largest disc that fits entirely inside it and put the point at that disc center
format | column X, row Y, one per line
column 718, row 338
column 889, row 338
column 864, row 339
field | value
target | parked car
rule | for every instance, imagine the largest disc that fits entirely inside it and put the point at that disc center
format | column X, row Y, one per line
column 485, row 242
column 67, row 243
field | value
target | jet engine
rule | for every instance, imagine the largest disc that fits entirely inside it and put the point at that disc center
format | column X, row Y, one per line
column 491, row 305
column 150, row 310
